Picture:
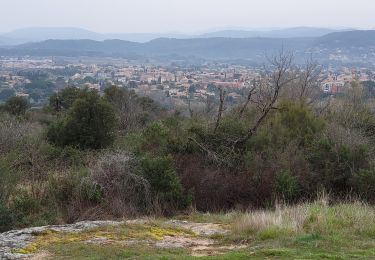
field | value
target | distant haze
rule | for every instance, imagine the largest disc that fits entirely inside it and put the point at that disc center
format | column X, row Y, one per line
column 185, row 16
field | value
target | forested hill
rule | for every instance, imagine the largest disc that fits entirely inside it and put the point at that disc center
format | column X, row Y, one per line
column 352, row 42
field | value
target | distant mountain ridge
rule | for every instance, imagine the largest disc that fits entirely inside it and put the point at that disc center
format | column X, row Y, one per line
column 353, row 46
column 276, row 33
column 211, row 48
column 358, row 38
column 38, row 34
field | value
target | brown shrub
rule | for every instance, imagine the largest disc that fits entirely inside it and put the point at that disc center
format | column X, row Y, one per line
column 125, row 192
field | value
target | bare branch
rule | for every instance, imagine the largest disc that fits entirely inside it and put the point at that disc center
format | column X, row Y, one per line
column 269, row 92
column 221, row 108
column 248, row 100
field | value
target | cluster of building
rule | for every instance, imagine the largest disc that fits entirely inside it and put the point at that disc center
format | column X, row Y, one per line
column 335, row 82
column 164, row 83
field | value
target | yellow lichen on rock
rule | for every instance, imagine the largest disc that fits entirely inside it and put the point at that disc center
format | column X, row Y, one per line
column 160, row 233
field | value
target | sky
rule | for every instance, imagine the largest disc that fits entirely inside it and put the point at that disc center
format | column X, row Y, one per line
column 185, row 16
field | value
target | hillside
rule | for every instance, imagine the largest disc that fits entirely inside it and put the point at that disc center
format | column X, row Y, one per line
column 212, row 48
column 279, row 33
column 349, row 39
column 37, row 34
column 356, row 47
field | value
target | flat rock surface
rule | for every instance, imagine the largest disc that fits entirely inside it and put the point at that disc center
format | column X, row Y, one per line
column 198, row 240
column 15, row 239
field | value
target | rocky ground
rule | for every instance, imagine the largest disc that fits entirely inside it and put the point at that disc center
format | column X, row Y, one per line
column 306, row 231
column 31, row 243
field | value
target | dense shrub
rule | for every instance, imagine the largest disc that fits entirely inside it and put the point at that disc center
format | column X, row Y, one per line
column 90, row 123
column 6, row 218
column 133, row 111
column 9, row 179
column 333, row 164
column 364, row 184
column 165, row 183
column 72, row 193
column 292, row 122
column 16, row 105
column 286, row 186
column 64, row 99
column 124, row 191
column 168, row 136
column 162, row 164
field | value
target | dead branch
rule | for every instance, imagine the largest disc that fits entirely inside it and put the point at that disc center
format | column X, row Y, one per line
column 249, row 96
column 221, row 108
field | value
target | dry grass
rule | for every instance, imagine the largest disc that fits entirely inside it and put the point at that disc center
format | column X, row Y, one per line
column 354, row 218
column 287, row 218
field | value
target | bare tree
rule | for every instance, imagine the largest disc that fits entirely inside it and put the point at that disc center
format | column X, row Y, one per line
column 307, row 81
column 268, row 92
column 191, row 113
column 210, row 104
column 221, row 108
column 249, row 96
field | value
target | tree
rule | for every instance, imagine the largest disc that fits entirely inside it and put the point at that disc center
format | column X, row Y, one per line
column 65, row 98
column 89, row 124
column 268, row 93
column 192, row 88
column 6, row 94
column 221, row 108
column 164, row 181
column 132, row 111
column 16, row 106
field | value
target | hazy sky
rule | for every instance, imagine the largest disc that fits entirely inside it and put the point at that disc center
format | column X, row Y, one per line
column 184, row 15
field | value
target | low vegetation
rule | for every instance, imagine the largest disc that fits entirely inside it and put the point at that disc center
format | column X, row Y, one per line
column 313, row 230
column 91, row 156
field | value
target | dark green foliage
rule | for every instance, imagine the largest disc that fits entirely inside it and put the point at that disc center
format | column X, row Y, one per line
column 65, row 98
column 6, row 218
column 162, row 176
column 295, row 152
column 286, row 186
column 5, row 94
column 89, row 124
column 16, row 106
column 27, row 209
column 74, row 187
column 370, row 87
column 40, row 84
column 298, row 122
column 292, row 122
column 364, row 184
column 162, row 138
column 9, row 178
column 333, row 164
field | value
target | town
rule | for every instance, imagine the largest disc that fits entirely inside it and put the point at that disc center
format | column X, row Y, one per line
column 171, row 85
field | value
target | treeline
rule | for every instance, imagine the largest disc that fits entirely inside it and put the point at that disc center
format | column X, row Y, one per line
column 91, row 156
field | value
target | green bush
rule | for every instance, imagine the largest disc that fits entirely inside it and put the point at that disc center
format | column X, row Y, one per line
column 8, row 178
column 26, row 209
column 6, row 218
column 16, row 105
column 90, row 192
column 66, row 156
column 334, row 164
column 292, row 122
column 286, row 186
column 161, row 138
column 89, row 124
column 66, row 98
column 164, row 181
column 364, row 184
column 69, row 186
